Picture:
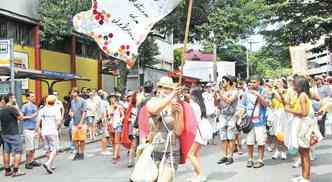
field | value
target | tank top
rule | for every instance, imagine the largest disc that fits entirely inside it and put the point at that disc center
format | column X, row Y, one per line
column 297, row 105
column 277, row 103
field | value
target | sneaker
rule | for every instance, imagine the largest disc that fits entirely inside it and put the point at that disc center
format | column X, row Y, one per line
column 201, row 179
column 222, row 160
column 8, row 172
column 76, row 157
column 276, row 155
column 270, row 149
column 106, row 153
column 283, row 155
column 28, row 166
column 130, row 165
column 35, row 164
column 258, row 164
column 80, row 156
column 229, row 161
column 296, row 164
column 48, row 170
column 192, row 178
column 297, row 179
column 18, row 173
column 250, row 164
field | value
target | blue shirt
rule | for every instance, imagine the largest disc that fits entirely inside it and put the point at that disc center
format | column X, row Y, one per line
column 248, row 103
column 78, row 107
column 29, row 109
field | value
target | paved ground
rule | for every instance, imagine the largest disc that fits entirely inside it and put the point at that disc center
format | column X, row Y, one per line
column 98, row 168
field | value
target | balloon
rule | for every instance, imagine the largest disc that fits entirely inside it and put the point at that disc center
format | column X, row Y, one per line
column 280, row 136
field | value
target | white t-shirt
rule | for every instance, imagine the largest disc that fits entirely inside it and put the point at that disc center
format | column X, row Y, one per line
column 209, row 103
column 91, row 108
column 59, row 104
column 50, row 119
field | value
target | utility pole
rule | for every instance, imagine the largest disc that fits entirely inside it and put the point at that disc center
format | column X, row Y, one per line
column 248, row 51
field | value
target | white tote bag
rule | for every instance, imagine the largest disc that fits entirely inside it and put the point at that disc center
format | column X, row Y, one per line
column 205, row 129
column 166, row 167
column 145, row 169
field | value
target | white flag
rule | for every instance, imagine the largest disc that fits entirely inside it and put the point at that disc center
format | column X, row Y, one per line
column 120, row 26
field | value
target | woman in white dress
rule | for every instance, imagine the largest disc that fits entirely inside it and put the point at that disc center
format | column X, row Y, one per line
column 203, row 134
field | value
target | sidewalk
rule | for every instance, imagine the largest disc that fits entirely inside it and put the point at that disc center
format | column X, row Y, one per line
column 40, row 153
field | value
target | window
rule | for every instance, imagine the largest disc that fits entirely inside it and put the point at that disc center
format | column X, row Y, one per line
column 87, row 50
column 3, row 28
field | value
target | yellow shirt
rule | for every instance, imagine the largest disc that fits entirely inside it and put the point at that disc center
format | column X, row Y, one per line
column 297, row 105
column 277, row 103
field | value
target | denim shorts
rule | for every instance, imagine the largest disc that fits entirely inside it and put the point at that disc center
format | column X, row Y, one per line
column 12, row 143
column 90, row 120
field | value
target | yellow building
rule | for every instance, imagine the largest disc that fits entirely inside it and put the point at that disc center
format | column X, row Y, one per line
column 20, row 23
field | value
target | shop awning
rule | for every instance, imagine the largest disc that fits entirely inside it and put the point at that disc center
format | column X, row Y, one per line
column 187, row 80
column 21, row 73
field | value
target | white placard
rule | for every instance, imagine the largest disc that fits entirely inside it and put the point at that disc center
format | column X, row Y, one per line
column 120, row 26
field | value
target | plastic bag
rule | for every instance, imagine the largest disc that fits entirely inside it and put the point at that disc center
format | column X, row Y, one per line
column 145, row 169
column 291, row 133
column 206, row 129
column 166, row 171
column 309, row 131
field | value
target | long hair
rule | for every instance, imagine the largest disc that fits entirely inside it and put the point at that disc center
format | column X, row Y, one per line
column 302, row 85
column 133, row 99
column 197, row 97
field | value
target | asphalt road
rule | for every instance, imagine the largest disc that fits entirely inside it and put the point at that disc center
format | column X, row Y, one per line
column 99, row 168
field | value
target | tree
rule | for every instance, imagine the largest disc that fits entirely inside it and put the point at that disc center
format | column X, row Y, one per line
column 56, row 18
column 232, row 19
column 271, row 61
column 177, row 58
column 302, row 21
column 147, row 52
column 176, row 21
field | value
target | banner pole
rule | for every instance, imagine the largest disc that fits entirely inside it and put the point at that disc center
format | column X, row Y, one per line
column 186, row 37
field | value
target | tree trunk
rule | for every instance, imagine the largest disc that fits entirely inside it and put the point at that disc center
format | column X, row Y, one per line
column 123, row 77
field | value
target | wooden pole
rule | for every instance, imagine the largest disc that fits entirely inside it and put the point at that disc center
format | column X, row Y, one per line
column 186, row 37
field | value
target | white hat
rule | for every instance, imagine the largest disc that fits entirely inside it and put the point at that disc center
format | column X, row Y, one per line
column 166, row 81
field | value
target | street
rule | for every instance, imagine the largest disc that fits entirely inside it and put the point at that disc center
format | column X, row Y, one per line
column 98, row 168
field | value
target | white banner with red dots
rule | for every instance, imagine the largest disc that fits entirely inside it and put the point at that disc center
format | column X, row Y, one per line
column 120, row 26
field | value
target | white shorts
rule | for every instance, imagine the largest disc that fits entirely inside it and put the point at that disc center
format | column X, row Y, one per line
column 257, row 135
column 30, row 140
column 51, row 142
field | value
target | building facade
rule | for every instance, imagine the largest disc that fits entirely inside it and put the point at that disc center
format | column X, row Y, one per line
column 19, row 21
column 306, row 62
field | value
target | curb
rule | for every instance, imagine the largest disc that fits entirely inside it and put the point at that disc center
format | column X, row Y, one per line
column 59, row 151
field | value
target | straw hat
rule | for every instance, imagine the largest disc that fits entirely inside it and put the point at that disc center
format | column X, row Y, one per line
column 167, row 82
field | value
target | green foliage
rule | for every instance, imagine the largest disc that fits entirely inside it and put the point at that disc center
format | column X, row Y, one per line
column 177, row 58
column 232, row 51
column 232, row 19
column 56, row 17
column 270, row 62
column 176, row 21
column 147, row 51
column 302, row 21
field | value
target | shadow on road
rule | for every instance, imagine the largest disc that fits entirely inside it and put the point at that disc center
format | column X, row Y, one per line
column 323, row 159
column 322, row 178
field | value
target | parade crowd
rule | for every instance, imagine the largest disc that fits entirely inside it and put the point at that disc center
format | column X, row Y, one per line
column 162, row 125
